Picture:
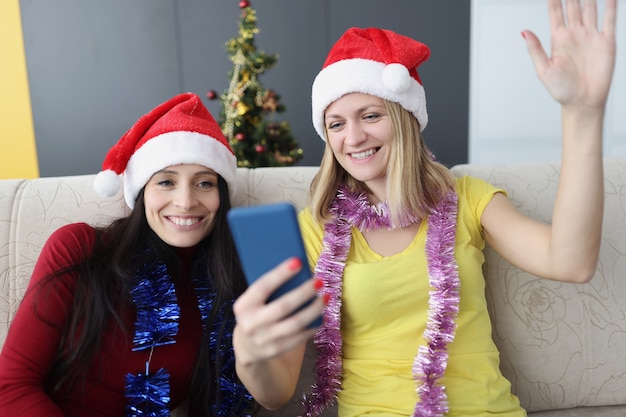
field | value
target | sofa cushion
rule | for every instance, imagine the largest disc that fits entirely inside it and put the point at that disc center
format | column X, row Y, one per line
column 614, row 411
column 562, row 345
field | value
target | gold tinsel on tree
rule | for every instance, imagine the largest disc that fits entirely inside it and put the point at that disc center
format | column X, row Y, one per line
column 247, row 115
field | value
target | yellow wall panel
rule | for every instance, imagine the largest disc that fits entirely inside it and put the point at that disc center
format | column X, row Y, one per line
column 18, row 151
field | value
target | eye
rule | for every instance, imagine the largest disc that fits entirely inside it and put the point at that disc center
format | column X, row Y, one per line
column 165, row 183
column 206, row 184
column 371, row 116
column 334, row 125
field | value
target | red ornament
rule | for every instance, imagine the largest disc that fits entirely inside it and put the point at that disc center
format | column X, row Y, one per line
column 243, row 4
column 259, row 148
column 211, row 95
column 240, row 137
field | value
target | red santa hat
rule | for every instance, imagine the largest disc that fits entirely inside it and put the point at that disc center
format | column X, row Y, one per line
column 179, row 131
column 373, row 61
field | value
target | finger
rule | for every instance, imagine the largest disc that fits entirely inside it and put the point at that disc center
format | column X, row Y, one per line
column 590, row 15
column 307, row 315
column 279, row 346
column 555, row 13
column 537, row 53
column 610, row 15
column 268, row 334
column 257, row 293
column 573, row 13
column 287, row 304
column 251, row 309
column 261, row 289
column 295, row 323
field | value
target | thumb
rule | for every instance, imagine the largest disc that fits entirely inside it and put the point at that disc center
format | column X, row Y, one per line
column 536, row 51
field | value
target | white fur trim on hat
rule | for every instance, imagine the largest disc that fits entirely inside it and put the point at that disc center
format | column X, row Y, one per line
column 370, row 77
column 176, row 148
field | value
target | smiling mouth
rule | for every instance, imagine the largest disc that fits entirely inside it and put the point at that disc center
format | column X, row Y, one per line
column 364, row 154
column 185, row 222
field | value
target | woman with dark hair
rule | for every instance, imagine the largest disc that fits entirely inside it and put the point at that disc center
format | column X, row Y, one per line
column 135, row 319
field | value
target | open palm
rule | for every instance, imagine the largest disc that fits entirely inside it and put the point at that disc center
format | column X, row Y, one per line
column 580, row 67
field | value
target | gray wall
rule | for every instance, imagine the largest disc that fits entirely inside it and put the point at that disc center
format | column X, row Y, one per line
column 95, row 66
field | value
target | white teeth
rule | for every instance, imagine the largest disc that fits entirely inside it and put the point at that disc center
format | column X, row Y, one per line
column 364, row 154
column 183, row 222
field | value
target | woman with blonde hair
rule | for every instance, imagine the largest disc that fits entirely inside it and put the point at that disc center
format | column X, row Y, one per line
column 397, row 242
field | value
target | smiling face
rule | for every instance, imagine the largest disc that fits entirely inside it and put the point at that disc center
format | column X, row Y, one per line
column 181, row 202
column 360, row 134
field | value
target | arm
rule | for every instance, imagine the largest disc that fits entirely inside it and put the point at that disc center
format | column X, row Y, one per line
column 269, row 341
column 578, row 75
column 31, row 344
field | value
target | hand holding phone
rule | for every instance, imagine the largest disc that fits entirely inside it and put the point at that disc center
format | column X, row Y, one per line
column 266, row 235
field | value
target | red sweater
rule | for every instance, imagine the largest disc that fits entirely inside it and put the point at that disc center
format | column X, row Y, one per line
column 30, row 348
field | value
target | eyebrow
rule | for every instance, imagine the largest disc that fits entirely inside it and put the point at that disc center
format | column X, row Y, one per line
column 359, row 110
column 172, row 171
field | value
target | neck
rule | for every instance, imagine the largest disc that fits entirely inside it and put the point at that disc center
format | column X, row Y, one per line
column 186, row 254
column 376, row 191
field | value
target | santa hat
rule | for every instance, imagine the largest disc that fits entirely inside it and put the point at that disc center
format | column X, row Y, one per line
column 373, row 61
column 179, row 131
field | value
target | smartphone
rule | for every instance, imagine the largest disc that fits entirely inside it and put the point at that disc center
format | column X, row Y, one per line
column 266, row 235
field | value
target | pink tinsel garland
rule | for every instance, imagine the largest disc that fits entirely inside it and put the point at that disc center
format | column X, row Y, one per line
column 350, row 210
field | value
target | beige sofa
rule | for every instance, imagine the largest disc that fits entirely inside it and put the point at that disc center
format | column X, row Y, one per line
column 563, row 345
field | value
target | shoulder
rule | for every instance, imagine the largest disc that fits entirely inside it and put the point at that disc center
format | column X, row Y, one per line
column 476, row 189
column 70, row 242
column 305, row 218
column 312, row 235
column 66, row 247
column 474, row 194
column 308, row 225
column 468, row 185
column 74, row 230
column 73, row 234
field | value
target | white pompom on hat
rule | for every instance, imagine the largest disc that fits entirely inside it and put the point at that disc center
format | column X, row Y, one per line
column 373, row 61
column 178, row 131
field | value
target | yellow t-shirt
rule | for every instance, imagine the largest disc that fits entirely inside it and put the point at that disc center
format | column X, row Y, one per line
column 384, row 312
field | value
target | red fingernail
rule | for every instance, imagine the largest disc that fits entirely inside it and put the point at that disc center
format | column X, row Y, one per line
column 294, row 264
column 326, row 298
column 524, row 35
column 318, row 284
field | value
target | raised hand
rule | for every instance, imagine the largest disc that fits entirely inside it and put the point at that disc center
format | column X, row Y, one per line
column 579, row 69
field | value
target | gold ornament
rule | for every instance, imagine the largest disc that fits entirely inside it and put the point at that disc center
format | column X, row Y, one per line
column 267, row 101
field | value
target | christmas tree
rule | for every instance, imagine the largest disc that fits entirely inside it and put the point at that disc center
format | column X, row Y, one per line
column 248, row 111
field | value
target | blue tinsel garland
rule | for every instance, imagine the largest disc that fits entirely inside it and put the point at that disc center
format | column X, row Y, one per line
column 158, row 313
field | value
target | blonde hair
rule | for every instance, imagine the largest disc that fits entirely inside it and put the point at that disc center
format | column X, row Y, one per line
column 415, row 182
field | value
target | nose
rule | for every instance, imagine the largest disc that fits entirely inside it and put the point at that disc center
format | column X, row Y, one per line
column 185, row 198
column 355, row 134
